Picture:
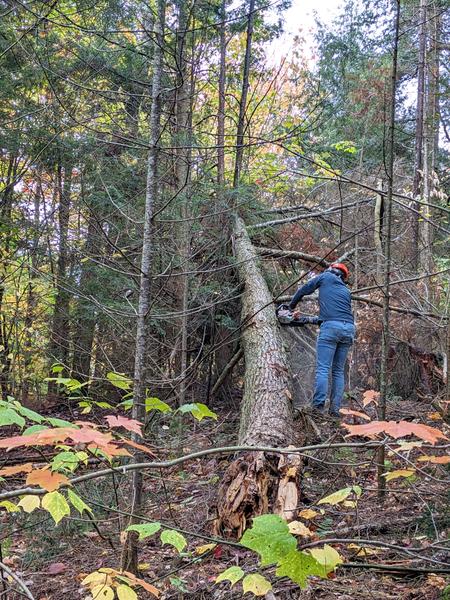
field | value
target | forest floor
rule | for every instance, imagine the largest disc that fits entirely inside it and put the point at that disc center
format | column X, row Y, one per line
column 53, row 560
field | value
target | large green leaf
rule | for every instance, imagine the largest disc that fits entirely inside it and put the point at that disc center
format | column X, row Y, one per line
column 145, row 530
column 175, row 539
column 8, row 416
column 270, row 538
column 156, row 404
column 28, row 413
column 65, row 460
column 118, row 380
column 198, row 410
column 298, row 566
column 78, row 503
column 56, row 505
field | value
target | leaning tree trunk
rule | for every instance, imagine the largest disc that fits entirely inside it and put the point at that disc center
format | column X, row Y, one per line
column 257, row 483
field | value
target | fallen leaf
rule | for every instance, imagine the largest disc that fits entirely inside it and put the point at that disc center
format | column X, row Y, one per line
column 308, row 514
column 435, row 416
column 399, row 473
column 256, row 584
column 437, row 460
column 347, row 411
column 298, row 528
column 370, row 396
column 56, row 568
column 26, row 468
column 396, row 429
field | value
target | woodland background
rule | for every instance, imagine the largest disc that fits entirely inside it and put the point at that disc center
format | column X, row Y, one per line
column 162, row 182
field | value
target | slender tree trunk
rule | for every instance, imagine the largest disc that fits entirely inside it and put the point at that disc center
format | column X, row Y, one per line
column 31, row 295
column 385, row 341
column 378, row 232
column 183, row 138
column 59, row 336
column 244, row 94
column 84, row 321
column 420, row 106
column 130, row 552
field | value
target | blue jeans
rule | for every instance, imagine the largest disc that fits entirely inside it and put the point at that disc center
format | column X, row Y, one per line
column 333, row 344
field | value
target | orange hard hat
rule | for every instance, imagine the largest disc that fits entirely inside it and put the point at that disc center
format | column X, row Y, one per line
column 342, row 268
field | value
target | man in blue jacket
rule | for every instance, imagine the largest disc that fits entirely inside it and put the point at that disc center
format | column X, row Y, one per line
column 336, row 335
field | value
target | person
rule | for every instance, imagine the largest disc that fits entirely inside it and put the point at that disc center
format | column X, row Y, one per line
column 336, row 335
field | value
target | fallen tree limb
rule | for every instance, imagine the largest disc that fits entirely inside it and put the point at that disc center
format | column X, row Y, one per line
column 227, row 370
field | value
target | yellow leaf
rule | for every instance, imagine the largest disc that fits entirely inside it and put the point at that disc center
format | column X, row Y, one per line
column 326, row 556
column 437, row 460
column 10, row 506
column 30, row 503
column 435, row 416
column 202, row 549
column 337, row 497
column 349, row 504
column 298, row 528
column 256, row 584
column 102, row 592
column 124, row 592
column 363, row 550
column 405, row 446
column 96, row 579
column 144, row 566
column 399, row 473
column 308, row 514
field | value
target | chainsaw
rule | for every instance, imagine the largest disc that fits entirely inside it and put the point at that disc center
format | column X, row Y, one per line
column 288, row 318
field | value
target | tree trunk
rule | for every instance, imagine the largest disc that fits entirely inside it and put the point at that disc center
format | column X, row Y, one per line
column 378, row 232
column 385, row 341
column 59, row 337
column 420, row 105
column 183, row 114
column 130, row 553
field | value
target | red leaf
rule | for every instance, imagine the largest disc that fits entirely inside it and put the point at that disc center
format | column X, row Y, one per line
column 46, row 479
column 56, row 568
column 26, row 468
column 139, row 447
column 129, row 424
column 346, row 411
column 217, row 551
column 396, row 429
column 370, row 396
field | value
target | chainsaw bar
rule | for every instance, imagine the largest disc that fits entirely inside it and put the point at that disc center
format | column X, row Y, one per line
column 286, row 318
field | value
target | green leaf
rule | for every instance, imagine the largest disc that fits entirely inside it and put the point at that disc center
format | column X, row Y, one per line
column 56, row 505
column 56, row 368
column 65, row 460
column 198, row 410
column 256, row 584
column 298, row 566
column 175, row 539
column 8, row 416
column 145, row 530
column 78, row 503
column 34, row 429
column 232, row 574
column 28, row 413
column 270, row 538
column 118, row 380
column 10, row 506
column 156, row 404
column 60, row 423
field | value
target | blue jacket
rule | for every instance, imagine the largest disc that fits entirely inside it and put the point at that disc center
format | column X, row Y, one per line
column 334, row 297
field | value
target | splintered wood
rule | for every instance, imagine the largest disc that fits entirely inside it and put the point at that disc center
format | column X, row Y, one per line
column 252, row 485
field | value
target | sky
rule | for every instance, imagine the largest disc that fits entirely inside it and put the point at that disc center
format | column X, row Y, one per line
column 299, row 18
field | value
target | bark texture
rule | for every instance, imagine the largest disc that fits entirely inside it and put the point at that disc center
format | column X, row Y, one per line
column 267, row 404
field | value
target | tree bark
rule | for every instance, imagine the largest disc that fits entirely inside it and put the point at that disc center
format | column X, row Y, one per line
column 130, row 548
column 385, row 340
column 59, row 337
column 418, row 153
